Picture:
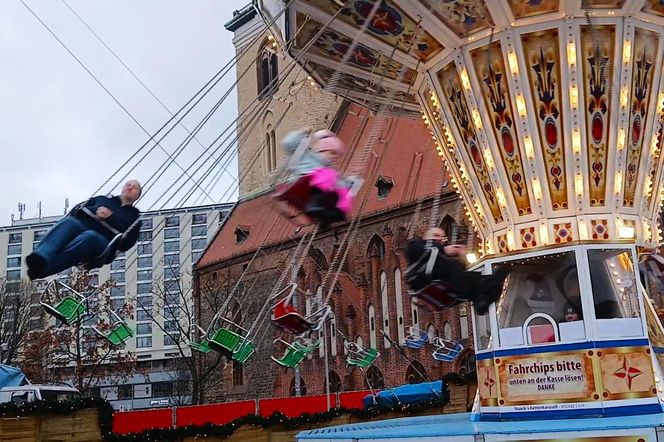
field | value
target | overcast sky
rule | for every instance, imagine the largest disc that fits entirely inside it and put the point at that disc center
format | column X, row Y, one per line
column 61, row 135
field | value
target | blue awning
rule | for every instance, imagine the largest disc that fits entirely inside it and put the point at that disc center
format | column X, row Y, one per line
column 11, row 376
column 406, row 394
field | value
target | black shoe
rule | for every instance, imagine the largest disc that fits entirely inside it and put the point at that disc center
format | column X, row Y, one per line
column 36, row 265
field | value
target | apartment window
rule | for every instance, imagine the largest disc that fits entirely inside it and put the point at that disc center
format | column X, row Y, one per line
column 198, row 230
column 143, row 288
column 171, row 339
column 145, row 249
column 173, row 221
column 144, row 342
column 13, row 275
column 199, row 218
column 170, row 326
column 118, row 277
column 118, row 264
column 172, row 272
column 171, row 298
column 143, row 314
column 162, row 389
column 145, row 262
column 144, row 236
column 15, row 238
column 39, row 235
column 172, row 260
column 171, row 287
column 117, row 304
column 117, row 291
column 172, row 233
column 14, row 249
column 195, row 256
column 171, row 314
column 198, row 243
column 144, row 328
column 171, row 246
column 146, row 224
column 125, row 391
column 144, row 275
column 144, row 301
column 14, row 262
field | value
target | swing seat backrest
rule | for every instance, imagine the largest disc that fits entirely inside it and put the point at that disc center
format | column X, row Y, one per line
column 244, row 352
column 446, row 351
column 68, row 310
column 289, row 319
column 363, row 358
column 439, row 295
column 417, row 339
column 292, row 357
column 297, row 194
column 119, row 334
column 225, row 340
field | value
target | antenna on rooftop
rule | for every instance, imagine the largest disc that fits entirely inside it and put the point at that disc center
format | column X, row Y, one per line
column 39, row 204
column 66, row 205
column 21, row 210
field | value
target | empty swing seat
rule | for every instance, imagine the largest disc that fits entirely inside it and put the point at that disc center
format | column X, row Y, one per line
column 225, row 340
column 119, row 334
column 294, row 354
column 289, row 318
column 297, row 194
column 417, row 339
column 68, row 309
column 363, row 358
column 446, row 351
column 244, row 352
column 201, row 347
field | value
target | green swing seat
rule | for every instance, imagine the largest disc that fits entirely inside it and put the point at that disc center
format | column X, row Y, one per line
column 119, row 334
column 364, row 358
column 225, row 340
column 68, row 309
column 244, row 352
column 295, row 354
column 202, row 347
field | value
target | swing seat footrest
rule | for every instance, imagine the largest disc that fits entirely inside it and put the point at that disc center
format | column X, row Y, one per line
column 119, row 334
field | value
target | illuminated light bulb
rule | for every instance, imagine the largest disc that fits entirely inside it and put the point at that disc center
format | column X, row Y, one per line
column 465, row 81
column 618, row 281
column 656, row 379
column 274, row 44
column 578, row 184
column 513, row 62
column 544, row 234
column 627, row 51
column 612, row 265
column 269, row 37
column 626, row 232
column 574, row 96
column 537, row 189
column 471, row 258
column 571, row 54
column 313, row 83
column 488, row 158
column 477, row 119
column 624, row 96
column 521, row 105
column 615, row 273
column 576, row 141
column 309, row 77
column 618, row 183
column 528, row 145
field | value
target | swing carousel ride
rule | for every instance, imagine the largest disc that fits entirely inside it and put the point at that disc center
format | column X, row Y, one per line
column 549, row 115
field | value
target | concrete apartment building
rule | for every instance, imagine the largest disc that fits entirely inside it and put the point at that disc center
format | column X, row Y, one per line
column 170, row 243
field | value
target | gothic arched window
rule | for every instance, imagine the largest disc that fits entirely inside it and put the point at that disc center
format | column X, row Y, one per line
column 267, row 70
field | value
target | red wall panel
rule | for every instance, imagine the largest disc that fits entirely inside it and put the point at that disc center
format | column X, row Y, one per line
column 136, row 421
column 214, row 413
column 295, row 406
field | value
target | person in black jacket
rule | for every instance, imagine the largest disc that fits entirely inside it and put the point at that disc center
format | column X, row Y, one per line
column 80, row 238
column 481, row 290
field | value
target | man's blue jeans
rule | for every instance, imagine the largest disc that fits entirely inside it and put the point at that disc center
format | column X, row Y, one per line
column 68, row 244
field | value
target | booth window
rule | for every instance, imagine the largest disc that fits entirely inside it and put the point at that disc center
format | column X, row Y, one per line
column 615, row 293
column 542, row 302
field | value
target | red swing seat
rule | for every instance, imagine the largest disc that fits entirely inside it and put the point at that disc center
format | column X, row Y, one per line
column 289, row 319
column 297, row 194
column 438, row 294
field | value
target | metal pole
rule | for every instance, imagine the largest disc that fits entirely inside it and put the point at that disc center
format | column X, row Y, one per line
column 298, row 382
column 327, row 366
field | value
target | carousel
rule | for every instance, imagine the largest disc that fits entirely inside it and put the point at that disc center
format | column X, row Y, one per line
column 549, row 115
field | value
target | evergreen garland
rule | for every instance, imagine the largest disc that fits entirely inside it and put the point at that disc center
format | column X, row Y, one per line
column 278, row 418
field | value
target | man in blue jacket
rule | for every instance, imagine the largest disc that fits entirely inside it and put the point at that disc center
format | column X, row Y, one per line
column 82, row 236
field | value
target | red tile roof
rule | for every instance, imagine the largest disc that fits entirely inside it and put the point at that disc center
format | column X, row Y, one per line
column 403, row 151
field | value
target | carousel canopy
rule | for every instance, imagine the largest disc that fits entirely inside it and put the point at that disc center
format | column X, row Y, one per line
column 548, row 112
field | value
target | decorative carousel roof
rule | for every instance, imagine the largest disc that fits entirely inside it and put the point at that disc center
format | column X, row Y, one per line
column 549, row 113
